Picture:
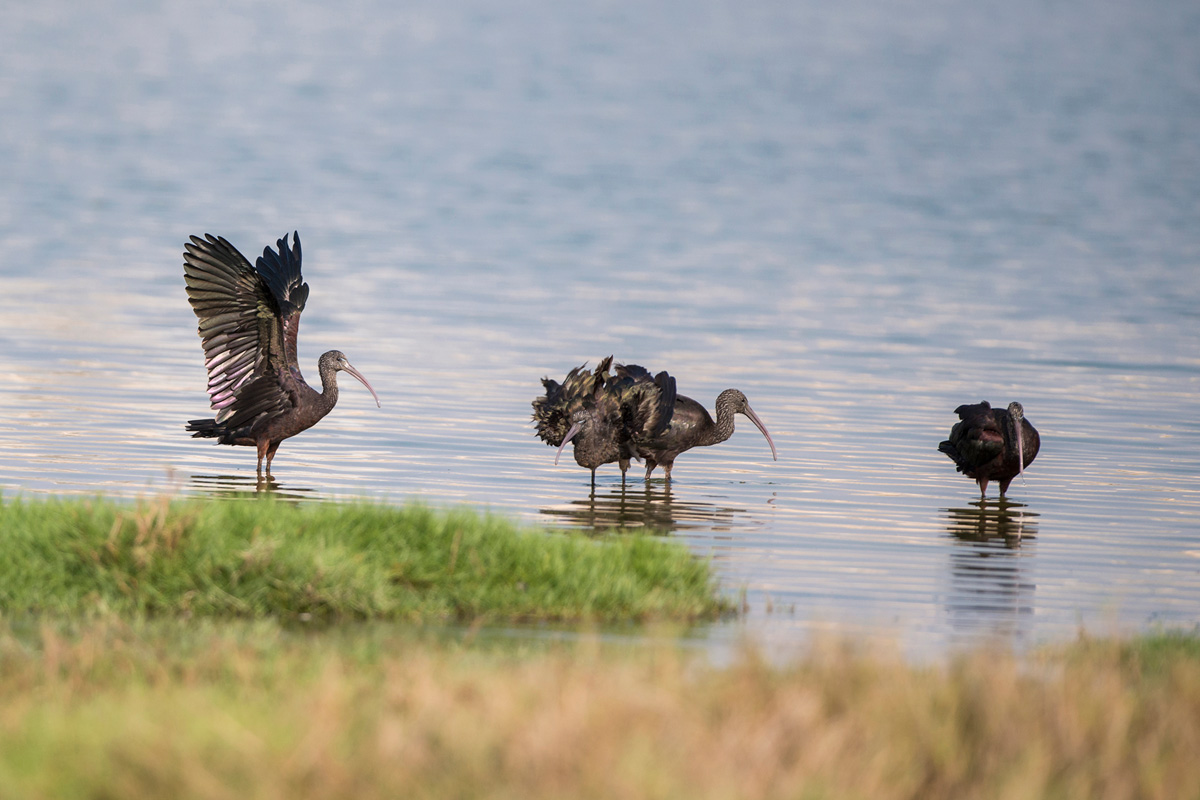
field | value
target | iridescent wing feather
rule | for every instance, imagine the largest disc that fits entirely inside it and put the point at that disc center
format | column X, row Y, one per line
column 580, row 390
column 249, row 321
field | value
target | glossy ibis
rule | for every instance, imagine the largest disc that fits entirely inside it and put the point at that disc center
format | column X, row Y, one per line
column 691, row 426
column 985, row 444
column 606, row 415
column 249, row 318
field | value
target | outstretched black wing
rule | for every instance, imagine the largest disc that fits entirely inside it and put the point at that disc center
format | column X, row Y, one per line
column 248, row 325
column 281, row 273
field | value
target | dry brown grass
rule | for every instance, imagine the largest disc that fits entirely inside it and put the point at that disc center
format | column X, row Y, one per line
column 250, row 711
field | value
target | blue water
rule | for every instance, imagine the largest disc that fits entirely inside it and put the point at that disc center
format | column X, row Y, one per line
column 861, row 216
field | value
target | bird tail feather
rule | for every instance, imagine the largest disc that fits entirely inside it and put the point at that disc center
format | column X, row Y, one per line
column 206, row 429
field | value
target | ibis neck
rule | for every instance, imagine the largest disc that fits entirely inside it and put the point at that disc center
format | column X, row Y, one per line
column 329, row 387
column 722, row 429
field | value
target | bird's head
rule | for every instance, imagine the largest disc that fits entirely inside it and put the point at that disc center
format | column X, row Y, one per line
column 738, row 404
column 336, row 360
column 735, row 399
column 581, row 420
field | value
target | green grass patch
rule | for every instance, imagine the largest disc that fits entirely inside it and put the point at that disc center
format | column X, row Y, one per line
column 325, row 561
column 1151, row 656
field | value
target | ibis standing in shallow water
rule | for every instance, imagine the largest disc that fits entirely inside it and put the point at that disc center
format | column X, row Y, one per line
column 691, row 426
column 249, row 318
column 606, row 415
column 992, row 444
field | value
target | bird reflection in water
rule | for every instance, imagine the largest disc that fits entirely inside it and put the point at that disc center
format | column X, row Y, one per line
column 989, row 595
column 984, row 521
column 653, row 508
column 236, row 486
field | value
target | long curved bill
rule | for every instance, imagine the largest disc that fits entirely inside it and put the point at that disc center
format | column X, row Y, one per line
column 1021, row 450
column 570, row 435
column 758, row 423
column 363, row 380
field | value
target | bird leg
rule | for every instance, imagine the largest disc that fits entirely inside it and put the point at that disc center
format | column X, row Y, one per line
column 983, row 482
column 270, row 457
column 263, row 444
column 266, row 450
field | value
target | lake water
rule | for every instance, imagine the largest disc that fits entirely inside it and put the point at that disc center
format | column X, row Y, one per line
column 861, row 216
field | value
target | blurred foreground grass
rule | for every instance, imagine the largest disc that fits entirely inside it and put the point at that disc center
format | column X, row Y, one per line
column 334, row 562
column 251, row 709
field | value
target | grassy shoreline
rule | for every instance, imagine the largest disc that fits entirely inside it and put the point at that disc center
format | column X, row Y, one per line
column 328, row 561
column 152, row 650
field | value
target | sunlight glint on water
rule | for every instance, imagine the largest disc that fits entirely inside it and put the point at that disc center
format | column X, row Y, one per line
column 861, row 217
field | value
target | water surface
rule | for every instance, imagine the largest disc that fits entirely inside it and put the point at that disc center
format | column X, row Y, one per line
column 862, row 217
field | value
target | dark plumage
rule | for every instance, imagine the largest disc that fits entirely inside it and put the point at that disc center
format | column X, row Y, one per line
column 607, row 415
column 691, row 426
column 249, row 319
column 985, row 446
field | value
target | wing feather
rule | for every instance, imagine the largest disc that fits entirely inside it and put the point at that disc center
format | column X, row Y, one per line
column 243, row 314
column 280, row 271
column 647, row 403
column 581, row 390
column 976, row 439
